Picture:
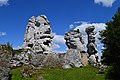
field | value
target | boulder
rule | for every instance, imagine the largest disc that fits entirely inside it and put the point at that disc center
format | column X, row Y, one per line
column 73, row 58
column 92, row 60
column 76, row 46
column 5, row 67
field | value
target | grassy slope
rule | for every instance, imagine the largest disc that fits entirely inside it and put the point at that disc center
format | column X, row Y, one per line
column 85, row 73
column 16, row 75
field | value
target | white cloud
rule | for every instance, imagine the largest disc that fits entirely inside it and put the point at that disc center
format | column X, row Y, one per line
column 106, row 3
column 55, row 46
column 71, row 26
column 57, row 43
column 3, row 2
column 3, row 34
column 98, row 27
column 77, row 22
column 18, row 47
column 58, row 39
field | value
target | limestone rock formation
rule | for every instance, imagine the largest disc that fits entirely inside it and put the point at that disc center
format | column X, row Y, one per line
column 74, row 40
column 38, row 35
column 73, row 58
column 75, row 43
column 37, row 42
column 5, row 57
column 21, row 58
column 37, row 47
column 91, row 46
column 91, row 40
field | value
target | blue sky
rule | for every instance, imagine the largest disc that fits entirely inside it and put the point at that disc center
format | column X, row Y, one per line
column 63, row 15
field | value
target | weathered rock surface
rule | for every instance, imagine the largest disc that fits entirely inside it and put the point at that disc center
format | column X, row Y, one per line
column 84, row 58
column 5, row 57
column 37, row 47
column 75, row 43
column 91, row 40
column 73, row 58
column 38, row 35
column 74, row 40
column 37, row 44
column 91, row 46
column 92, row 60
column 21, row 58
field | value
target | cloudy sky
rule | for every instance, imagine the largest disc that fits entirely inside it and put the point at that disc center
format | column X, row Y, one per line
column 64, row 15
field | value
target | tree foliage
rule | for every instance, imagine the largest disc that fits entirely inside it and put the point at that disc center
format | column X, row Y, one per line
column 9, row 47
column 111, row 40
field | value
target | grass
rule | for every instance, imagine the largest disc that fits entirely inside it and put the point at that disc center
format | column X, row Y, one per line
column 85, row 73
column 16, row 74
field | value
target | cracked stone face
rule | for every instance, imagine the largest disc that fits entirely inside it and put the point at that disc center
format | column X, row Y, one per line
column 5, row 66
column 74, row 40
column 91, row 40
column 75, row 43
column 92, row 47
column 38, row 34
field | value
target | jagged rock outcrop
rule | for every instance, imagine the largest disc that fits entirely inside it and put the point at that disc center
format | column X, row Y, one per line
column 74, row 40
column 21, row 58
column 37, row 47
column 5, row 67
column 37, row 42
column 73, row 59
column 38, row 35
column 91, row 40
column 75, row 43
column 91, row 46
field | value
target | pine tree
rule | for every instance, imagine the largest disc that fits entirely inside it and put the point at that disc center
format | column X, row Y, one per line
column 111, row 40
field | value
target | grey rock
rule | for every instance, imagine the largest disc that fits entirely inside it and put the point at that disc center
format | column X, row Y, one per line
column 5, row 67
column 91, row 40
column 20, row 59
column 102, row 68
column 73, row 59
column 92, row 60
column 74, row 40
column 37, row 43
column 52, row 61
column 38, row 35
column 75, row 43
column 92, row 47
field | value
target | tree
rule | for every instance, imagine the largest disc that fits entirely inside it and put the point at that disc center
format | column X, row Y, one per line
column 111, row 40
column 9, row 47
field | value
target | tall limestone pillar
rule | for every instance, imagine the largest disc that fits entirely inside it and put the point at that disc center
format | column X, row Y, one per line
column 91, row 46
